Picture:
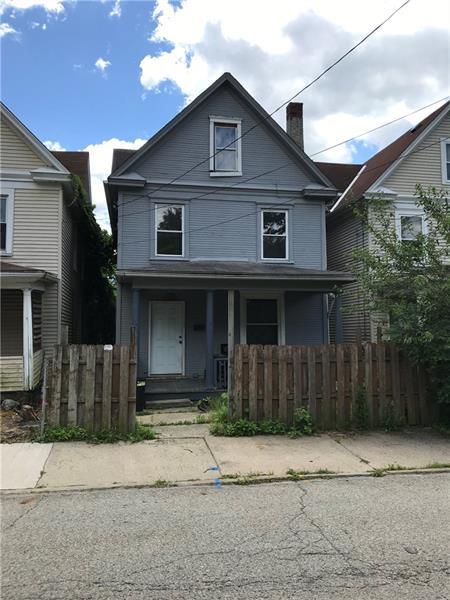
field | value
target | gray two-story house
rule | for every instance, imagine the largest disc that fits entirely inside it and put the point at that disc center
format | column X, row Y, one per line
column 220, row 227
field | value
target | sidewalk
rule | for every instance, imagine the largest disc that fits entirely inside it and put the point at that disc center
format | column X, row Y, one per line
column 188, row 453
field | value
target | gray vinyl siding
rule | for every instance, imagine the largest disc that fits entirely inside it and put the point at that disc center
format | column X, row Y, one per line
column 70, row 278
column 304, row 319
column 303, row 323
column 188, row 144
column 15, row 154
column 11, row 323
column 36, row 232
column 424, row 167
column 66, row 270
column 345, row 233
column 50, row 317
column 124, row 321
column 221, row 228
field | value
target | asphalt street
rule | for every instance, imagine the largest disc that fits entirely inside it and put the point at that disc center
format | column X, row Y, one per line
column 356, row 538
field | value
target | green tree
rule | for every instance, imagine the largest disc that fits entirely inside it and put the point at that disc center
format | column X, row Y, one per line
column 99, row 273
column 409, row 281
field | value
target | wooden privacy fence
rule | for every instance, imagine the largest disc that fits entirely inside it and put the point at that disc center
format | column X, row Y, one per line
column 92, row 387
column 340, row 385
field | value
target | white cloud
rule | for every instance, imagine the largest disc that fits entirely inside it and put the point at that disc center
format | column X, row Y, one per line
column 276, row 52
column 53, row 146
column 6, row 29
column 100, row 156
column 102, row 65
column 50, row 6
column 116, row 10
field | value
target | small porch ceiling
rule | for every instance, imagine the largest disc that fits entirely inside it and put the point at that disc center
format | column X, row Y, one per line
column 183, row 274
column 18, row 277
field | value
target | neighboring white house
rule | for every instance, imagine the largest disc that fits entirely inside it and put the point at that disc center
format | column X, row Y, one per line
column 419, row 156
column 39, row 258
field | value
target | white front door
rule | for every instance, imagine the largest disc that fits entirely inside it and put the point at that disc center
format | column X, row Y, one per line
column 166, row 338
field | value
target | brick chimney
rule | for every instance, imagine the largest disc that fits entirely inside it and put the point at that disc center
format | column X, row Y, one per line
column 294, row 122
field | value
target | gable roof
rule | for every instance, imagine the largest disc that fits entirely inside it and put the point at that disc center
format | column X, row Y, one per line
column 227, row 79
column 377, row 167
column 120, row 155
column 38, row 147
column 78, row 164
column 340, row 174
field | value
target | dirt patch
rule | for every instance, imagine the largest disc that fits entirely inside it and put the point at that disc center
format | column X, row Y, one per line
column 14, row 429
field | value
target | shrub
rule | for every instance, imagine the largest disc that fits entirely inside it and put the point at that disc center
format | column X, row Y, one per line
column 303, row 423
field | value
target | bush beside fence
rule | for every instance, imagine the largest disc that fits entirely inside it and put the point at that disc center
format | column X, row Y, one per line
column 342, row 386
column 93, row 387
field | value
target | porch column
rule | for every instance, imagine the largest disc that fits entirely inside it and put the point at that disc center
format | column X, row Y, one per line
column 27, row 340
column 210, row 339
column 339, row 324
column 230, row 339
column 135, row 305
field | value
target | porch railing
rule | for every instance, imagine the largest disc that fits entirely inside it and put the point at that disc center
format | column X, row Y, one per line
column 221, row 372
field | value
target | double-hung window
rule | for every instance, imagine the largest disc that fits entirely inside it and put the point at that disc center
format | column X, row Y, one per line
column 274, row 235
column 409, row 226
column 6, row 221
column 169, row 225
column 445, row 152
column 225, row 147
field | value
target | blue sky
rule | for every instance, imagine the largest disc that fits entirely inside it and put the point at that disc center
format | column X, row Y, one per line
column 98, row 75
column 60, row 94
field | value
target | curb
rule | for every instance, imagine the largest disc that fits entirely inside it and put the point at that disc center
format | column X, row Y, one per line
column 241, row 481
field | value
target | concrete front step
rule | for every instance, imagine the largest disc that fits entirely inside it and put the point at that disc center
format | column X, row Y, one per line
column 169, row 403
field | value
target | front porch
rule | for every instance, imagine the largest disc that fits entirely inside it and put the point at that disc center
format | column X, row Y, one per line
column 188, row 320
column 21, row 353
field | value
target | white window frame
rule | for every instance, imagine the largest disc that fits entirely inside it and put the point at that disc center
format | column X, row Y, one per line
column 444, row 144
column 279, row 297
column 168, row 204
column 9, row 193
column 213, row 121
column 408, row 212
column 274, row 210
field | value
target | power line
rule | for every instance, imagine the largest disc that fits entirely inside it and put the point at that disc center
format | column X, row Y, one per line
column 283, row 166
column 283, row 202
column 307, row 86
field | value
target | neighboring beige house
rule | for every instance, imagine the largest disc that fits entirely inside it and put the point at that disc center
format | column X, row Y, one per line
column 39, row 256
column 419, row 156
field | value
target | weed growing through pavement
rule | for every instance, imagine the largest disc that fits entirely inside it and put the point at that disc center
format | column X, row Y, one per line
column 105, row 436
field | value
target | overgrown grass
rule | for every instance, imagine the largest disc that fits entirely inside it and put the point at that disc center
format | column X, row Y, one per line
column 105, row 436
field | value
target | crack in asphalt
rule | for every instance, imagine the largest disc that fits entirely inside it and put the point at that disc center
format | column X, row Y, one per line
column 36, row 501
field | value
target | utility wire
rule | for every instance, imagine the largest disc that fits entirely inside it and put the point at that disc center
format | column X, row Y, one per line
column 276, row 205
column 283, row 166
column 307, row 86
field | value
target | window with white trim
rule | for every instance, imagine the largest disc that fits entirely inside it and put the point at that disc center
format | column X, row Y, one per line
column 169, row 225
column 409, row 226
column 445, row 151
column 6, row 221
column 274, row 234
column 225, row 146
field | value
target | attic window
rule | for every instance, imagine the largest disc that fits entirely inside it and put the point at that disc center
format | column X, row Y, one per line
column 225, row 147
column 445, row 155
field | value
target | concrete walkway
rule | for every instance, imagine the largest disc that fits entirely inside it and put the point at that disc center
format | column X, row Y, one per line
column 188, row 453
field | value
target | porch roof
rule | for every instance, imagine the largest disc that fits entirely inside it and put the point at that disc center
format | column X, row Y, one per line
column 240, row 272
column 13, row 275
